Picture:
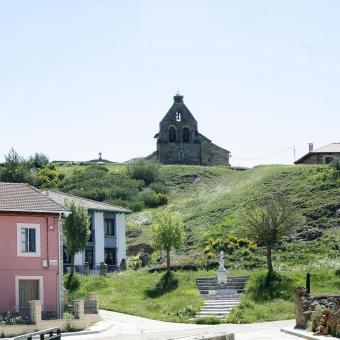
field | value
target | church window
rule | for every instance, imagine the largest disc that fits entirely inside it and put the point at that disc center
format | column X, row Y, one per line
column 172, row 135
column 186, row 135
column 178, row 116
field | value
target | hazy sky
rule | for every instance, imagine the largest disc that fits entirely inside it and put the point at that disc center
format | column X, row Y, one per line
column 79, row 77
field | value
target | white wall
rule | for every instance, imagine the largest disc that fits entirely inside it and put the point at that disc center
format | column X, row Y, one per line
column 121, row 240
column 79, row 258
column 99, row 236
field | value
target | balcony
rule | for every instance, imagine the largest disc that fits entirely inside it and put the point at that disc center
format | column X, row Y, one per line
column 110, row 242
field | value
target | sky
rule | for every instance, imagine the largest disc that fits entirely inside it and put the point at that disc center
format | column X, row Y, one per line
column 82, row 77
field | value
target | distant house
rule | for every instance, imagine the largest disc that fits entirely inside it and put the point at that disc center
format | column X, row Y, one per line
column 107, row 242
column 30, row 249
column 324, row 155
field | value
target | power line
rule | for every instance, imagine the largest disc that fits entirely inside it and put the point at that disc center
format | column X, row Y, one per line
column 267, row 156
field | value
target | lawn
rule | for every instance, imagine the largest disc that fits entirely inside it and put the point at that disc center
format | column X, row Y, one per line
column 148, row 295
column 145, row 294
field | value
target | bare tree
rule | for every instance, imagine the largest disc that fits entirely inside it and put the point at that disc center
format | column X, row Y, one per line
column 271, row 220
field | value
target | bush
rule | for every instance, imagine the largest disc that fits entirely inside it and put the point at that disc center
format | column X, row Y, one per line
column 337, row 272
column 186, row 311
column 11, row 318
column 208, row 320
column 68, row 316
column 136, row 205
column 151, row 199
column 263, row 286
column 229, row 245
column 335, row 163
column 134, row 262
column 163, row 199
column 97, row 183
column 145, row 258
column 71, row 282
column 159, row 188
column 147, row 171
column 48, row 177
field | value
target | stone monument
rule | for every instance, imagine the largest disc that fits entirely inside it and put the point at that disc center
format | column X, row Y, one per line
column 222, row 272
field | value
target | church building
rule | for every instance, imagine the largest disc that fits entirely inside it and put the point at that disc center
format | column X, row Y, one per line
column 179, row 142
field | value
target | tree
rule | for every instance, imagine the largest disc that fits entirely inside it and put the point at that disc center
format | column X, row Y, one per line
column 270, row 221
column 38, row 160
column 15, row 169
column 76, row 231
column 167, row 233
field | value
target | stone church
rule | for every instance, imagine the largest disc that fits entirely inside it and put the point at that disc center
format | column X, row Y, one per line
column 179, row 142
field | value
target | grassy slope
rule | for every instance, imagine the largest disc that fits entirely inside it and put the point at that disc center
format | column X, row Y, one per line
column 210, row 199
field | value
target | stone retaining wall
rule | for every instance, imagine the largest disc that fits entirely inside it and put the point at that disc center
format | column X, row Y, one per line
column 306, row 304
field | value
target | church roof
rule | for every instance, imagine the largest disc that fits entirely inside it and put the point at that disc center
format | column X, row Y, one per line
column 179, row 106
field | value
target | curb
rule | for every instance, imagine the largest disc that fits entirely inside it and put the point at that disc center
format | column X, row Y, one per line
column 87, row 332
column 302, row 335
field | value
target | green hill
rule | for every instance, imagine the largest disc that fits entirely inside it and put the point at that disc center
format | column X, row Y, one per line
column 211, row 201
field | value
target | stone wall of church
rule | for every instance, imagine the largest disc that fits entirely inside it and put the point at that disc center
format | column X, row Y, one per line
column 213, row 154
column 179, row 153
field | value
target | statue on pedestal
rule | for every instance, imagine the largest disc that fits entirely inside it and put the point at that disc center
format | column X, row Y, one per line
column 222, row 272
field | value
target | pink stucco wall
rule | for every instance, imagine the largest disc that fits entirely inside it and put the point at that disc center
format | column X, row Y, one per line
column 11, row 265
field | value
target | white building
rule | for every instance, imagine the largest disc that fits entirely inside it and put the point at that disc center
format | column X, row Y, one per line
column 107, row 242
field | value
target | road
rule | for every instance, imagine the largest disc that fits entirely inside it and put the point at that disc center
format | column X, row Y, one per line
column 129, row 327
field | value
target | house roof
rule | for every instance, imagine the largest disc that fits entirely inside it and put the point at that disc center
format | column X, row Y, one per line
column 63, row 198
column 21, row 197
column 332, row 148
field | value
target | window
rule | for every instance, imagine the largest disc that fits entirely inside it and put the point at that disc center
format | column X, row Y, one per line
column 172, row 135
column 109, row 227
column 178, row 116
column 28, row 239
column 28, row 243
column 186, row 135
column 328, row 160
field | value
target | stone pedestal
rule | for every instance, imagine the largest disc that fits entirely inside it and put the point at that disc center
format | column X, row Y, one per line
column 86, row 268
column 78, row 309
column 222, row 277
column 94, row 302
column 123, row 265
column 35, row 311
column 103, row 268
column 302, row 305
column 66, row 296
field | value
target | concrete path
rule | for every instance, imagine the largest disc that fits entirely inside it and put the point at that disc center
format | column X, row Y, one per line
column 129, row 327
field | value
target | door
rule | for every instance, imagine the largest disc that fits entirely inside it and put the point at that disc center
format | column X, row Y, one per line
column 28, row 291
column 89, row 256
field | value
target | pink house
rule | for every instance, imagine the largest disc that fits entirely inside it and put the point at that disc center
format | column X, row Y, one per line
column 30, row 249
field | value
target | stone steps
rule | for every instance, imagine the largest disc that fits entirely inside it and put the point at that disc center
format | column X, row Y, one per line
column 220, row 299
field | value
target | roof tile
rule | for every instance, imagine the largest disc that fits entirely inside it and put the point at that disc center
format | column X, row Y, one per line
column 22, row 197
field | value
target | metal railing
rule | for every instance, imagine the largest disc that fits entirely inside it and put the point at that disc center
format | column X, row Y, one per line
column 51, row 333
column 83, row 269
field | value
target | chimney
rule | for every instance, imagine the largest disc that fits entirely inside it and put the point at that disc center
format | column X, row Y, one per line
column 310, row 147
